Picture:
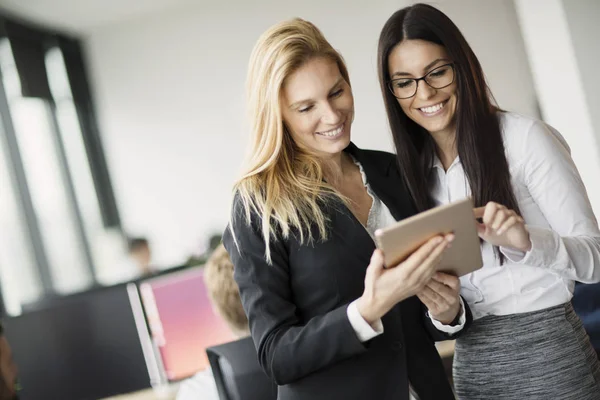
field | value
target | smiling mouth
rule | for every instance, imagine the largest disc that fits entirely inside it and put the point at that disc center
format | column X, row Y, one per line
column 333, row 133
column 434, row 109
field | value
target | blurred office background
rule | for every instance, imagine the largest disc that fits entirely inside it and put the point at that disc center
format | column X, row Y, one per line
column 125, row 119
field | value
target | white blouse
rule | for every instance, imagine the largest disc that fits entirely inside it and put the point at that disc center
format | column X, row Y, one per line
column 553, row 201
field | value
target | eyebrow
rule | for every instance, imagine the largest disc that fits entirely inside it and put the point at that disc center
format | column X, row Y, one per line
column 427, row 67
column 300, row 102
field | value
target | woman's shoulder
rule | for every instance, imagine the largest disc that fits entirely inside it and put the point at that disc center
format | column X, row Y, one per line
column 378, row 159
column 512, row 123
column 526, row 137
column 243, row 212
column 524, row 129
column 380, row 155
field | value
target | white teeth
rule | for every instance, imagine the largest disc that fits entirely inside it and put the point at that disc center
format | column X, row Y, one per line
column 333, row 133
column 432, row 109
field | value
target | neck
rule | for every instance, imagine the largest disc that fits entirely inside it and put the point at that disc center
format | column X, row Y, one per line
column 334, row 167
column 445, row 146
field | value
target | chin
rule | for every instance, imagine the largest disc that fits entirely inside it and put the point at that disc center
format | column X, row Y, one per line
column 434, row 126
column 342, row 143
column 333, row 146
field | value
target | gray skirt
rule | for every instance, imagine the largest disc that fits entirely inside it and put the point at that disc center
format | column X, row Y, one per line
column 537, row 355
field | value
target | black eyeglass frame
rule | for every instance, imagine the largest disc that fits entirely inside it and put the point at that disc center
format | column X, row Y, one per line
column 423, row 78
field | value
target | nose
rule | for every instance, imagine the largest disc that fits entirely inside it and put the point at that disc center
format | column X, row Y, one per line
column 331, row 114
column 424, row 91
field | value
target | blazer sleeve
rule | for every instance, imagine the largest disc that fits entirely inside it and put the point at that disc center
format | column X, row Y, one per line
column 289, row 347
column 440, row 336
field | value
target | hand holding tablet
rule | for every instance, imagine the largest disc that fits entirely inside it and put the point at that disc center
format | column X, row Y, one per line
column 401, row 239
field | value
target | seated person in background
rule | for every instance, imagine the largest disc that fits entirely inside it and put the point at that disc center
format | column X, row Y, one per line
column 8, row 370
column 225, row 298
column 140, row 254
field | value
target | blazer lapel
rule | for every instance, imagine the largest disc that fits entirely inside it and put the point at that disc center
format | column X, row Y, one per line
column 386, row 181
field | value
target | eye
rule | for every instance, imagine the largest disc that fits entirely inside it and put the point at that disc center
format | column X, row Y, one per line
column 439, row 72
column 305, row 109
column 402, row 84
column 337, row 93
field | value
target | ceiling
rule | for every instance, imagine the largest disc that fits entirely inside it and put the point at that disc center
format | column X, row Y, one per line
column 80, row 16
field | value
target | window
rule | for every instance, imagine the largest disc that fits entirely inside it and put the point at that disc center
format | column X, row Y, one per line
column 47, row 180
column 106, row 244
column 60, row 227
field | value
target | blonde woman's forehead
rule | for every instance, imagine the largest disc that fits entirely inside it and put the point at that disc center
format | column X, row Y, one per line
column 312, row 81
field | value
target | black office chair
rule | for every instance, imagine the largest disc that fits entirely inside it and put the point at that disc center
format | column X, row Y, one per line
column 238, row 374
column 586, row 302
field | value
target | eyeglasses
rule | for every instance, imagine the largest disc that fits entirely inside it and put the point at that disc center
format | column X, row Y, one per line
column 437, row 78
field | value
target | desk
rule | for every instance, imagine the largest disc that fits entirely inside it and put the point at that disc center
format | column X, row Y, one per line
column 160, row 393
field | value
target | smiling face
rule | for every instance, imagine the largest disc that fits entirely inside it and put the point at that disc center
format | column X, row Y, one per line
column 433, row 109
column 318, row 107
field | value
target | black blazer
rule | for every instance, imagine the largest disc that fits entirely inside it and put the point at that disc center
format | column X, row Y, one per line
column 297, row 306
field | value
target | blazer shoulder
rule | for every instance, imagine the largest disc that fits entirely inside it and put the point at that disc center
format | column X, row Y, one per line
column 378, row 159
column 379, row 155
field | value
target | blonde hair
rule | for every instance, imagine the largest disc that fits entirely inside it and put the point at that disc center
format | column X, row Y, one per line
column 223, row 291
column 282, row 183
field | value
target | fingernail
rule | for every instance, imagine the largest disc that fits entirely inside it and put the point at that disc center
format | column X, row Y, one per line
column 450, row 237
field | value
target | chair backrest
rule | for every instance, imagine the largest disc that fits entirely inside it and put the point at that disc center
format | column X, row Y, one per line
column 238, row 374
column 586, row 302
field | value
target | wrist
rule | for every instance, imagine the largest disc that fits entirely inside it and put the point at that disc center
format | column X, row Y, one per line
column 450, row 318
column 456, row 319
column 527, row 245
column 368, row 309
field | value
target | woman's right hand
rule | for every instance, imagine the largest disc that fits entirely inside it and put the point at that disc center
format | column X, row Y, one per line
column 386, row 287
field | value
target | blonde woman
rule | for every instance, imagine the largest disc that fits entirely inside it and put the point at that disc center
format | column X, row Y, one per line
column 328, row 320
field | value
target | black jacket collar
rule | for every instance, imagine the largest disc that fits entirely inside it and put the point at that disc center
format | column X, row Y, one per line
column 385, row 179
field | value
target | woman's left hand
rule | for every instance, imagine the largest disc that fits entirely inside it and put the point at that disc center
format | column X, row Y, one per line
column 441, row 297
column 502, row 227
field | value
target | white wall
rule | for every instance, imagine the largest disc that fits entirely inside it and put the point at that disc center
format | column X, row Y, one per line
column 169, row 91
column 557, row 66
column 582, row 17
